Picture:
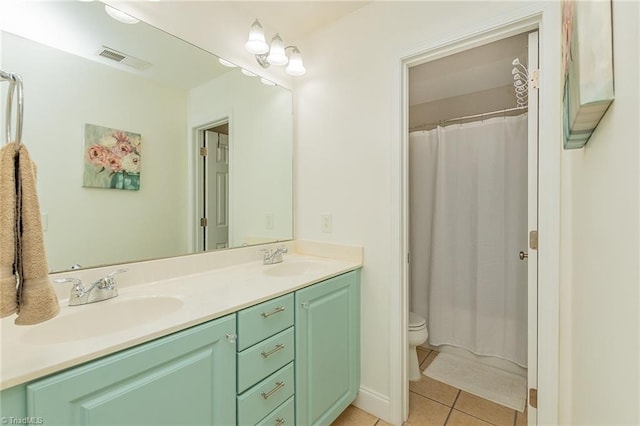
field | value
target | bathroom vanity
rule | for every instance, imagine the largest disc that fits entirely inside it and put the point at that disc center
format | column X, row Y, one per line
column 292, row 358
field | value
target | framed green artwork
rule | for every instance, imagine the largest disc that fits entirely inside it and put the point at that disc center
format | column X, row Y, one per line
column 112, row 158
column 587, row 64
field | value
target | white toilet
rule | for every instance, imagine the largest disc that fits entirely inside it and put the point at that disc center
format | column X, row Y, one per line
column 417, row 335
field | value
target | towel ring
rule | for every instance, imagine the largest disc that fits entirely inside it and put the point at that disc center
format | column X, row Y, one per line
column 15, row 85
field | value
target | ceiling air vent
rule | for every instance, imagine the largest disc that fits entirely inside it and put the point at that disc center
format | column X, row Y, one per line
column 123, row 58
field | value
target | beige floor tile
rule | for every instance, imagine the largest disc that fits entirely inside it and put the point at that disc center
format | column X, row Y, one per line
column 435, row 390
column 425, row 412
column 422, row 354
column 485, row 410
column 356, row 417
column 428, row 360
column 521, row 418
column 353, row 416
column 458, row 418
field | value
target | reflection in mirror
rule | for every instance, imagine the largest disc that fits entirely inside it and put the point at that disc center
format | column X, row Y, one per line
column 179, row 99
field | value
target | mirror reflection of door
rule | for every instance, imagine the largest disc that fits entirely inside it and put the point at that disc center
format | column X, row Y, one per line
column 215, row 226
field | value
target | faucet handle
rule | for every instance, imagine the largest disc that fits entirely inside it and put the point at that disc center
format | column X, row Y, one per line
column 114, row 273
column 110, row 280
column 266, row 252
column 77, row 287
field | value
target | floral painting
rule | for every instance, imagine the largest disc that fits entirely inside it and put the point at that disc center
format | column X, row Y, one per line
column 111, row 158
column 587, row 63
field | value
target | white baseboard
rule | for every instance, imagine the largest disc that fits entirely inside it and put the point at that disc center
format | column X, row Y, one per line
column 374, row 403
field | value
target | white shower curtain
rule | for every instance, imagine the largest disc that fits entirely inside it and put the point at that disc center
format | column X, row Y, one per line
column 468, row 221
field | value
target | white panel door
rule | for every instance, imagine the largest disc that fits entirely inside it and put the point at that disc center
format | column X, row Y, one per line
column 217, row 193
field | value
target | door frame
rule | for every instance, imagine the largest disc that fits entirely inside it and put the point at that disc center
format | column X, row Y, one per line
column 544, row 18
column 198, row 176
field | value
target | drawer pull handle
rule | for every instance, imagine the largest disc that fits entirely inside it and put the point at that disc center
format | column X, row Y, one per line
column 279, row 385
column 278, row 309
column 280, row 421
column 273, row 351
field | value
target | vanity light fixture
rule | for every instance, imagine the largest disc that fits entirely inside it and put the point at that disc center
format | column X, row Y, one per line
column 120, row 16
column 274, row 54
column 226, row 63
column 248, row 73
column 267, row 82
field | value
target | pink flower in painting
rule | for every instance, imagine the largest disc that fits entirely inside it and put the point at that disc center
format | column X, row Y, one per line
column 120, row 137
column 567, row 34
column 113, row 162
column 97, row 154
column 122, row 149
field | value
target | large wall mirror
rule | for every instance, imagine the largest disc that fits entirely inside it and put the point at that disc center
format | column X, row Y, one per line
column 132, row 89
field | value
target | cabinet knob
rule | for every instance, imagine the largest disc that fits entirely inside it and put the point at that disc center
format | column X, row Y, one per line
column 231, row 337
column 305, row 305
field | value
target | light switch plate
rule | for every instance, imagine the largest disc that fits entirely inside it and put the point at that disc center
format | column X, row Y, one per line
column 325, row 223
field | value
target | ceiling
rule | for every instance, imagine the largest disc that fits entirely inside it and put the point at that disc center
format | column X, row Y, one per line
column 82, row 28
column 478, row 69
column 482, row 68
column 298, row 19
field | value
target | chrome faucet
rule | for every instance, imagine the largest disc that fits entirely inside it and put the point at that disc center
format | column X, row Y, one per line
column 273, row 256
column 103, row 289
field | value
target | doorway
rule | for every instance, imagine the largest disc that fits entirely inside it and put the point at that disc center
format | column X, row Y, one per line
column 213, row 182
column 531, row 172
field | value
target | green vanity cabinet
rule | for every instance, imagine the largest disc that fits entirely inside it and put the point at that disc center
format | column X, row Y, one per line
column 266, row 353
column 187, row 378
column 296, row 362
column 327, row 331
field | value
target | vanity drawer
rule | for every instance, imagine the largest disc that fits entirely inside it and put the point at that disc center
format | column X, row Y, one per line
column 264, row 358
column 266, row 396
column 264, row 320
column 283, row 415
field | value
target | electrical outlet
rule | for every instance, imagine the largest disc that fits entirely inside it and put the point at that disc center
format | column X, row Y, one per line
column 268, row 220
column 325, row 223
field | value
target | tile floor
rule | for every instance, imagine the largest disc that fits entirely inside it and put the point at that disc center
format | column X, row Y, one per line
column 434, row 403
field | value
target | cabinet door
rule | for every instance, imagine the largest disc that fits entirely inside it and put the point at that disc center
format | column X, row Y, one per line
column 327, row 348
column 185, row 378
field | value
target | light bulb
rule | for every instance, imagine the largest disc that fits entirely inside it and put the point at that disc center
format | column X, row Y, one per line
column 277, row 56
column 295, row 66
column 226, row 63
column 120, row 16
column 256, row 43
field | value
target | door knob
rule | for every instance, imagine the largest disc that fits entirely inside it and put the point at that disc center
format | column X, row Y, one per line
column 523, row 255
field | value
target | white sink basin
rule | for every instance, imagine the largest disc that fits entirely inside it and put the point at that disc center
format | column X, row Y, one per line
column 295, row 267
column 96, row 319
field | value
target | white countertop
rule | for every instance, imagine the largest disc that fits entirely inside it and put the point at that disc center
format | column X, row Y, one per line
column 82, row 333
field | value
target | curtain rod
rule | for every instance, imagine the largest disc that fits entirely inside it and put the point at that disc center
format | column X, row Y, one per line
column 467, row 117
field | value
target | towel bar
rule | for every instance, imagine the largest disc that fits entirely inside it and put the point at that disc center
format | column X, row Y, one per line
column 15, row 85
